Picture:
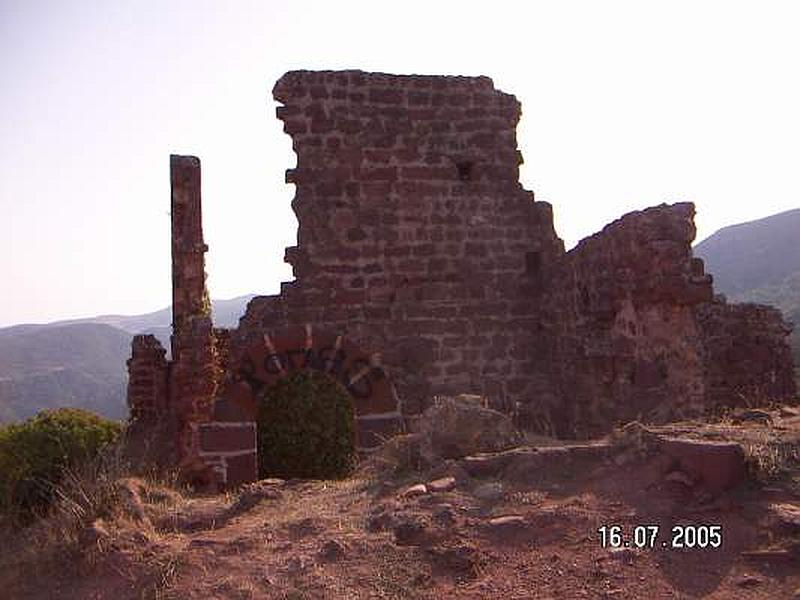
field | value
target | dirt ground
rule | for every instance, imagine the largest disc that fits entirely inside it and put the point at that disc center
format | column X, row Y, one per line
column 513, row 525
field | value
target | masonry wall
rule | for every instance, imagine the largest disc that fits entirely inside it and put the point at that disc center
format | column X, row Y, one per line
column 620, row 308
column 745, row 354
column 416, row 238
column 414, row 234
column 147, row 381
column 422, row 267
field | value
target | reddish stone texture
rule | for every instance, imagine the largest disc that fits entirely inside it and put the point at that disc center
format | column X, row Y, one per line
column 417, row 243
column 240, row 468
column 194, row 372
column 716, row 466
column 745, row 353
column 262, row 362
column 217, row 438
column 415, row 236
column 147, row 380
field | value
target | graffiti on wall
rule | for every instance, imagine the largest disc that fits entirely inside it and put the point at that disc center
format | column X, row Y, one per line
column 279, row 353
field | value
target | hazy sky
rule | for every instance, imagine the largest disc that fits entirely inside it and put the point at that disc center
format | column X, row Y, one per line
column 625, row 105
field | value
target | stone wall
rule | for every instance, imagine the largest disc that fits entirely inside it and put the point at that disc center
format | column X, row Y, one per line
column 746, row 356
column 620, row 312
column 414, row 234
column 147, row 380
column 422, row 267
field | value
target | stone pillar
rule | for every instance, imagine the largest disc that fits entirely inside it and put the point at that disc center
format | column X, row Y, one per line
column 189, row 297
column 194, row 374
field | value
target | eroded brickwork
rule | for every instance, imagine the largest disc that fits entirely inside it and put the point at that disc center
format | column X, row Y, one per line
column 147, row 380
column 422, row 267
column 414, row 233
column 194, row 374
column 620, row 311
column 746, row 357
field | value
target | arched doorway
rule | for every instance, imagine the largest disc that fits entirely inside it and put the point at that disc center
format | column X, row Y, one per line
column 261, row 362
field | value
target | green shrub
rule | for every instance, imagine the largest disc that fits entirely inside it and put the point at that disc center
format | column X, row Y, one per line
column 35, row 454
column 306, row 428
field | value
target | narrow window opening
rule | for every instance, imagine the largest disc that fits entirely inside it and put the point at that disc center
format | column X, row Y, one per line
column 465, row 170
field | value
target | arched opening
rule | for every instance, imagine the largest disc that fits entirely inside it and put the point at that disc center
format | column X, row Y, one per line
column 305, row 427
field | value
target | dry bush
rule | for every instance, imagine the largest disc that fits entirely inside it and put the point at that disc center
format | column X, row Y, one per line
column 398, row 456
column 772, row 459
column 98, row 507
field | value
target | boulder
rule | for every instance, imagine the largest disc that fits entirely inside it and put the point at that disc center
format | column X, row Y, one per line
column 455, row 427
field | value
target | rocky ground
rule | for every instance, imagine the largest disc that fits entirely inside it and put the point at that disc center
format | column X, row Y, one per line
column 516, row 523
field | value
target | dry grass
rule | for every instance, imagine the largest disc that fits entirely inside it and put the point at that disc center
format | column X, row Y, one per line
column 101, row 514
column 771, row 458
column 396, row 457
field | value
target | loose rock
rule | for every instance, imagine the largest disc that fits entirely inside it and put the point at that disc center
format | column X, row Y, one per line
column 444, row 484
column 415, row 490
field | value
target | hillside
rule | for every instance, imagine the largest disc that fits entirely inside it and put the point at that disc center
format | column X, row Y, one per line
column 759, row 261
column 81, row 362
column 752, row 256
column 62, row 365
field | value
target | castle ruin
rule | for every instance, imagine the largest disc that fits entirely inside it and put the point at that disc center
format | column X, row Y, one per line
column 422, row 267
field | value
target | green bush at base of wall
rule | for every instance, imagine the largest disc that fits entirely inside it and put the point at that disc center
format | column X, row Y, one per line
column 306, row 428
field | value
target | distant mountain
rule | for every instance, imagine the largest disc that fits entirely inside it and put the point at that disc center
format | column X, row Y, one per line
column 81, row 362
column 759, row 261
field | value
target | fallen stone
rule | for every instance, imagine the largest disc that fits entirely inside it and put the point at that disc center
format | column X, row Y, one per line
column 532, row 463
column 445, row 484
column 507, row 524
column 252, row 494
column 415, row 490
column 787, row 514
column 461, row 559
column 303, row 528
column 93, row 534
column 486, row 465
column 777, row 554
column 129, row 494
column 296, row 564
column 457, row 427
column 381, row 519
column 205, row 543
column 715, row 466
